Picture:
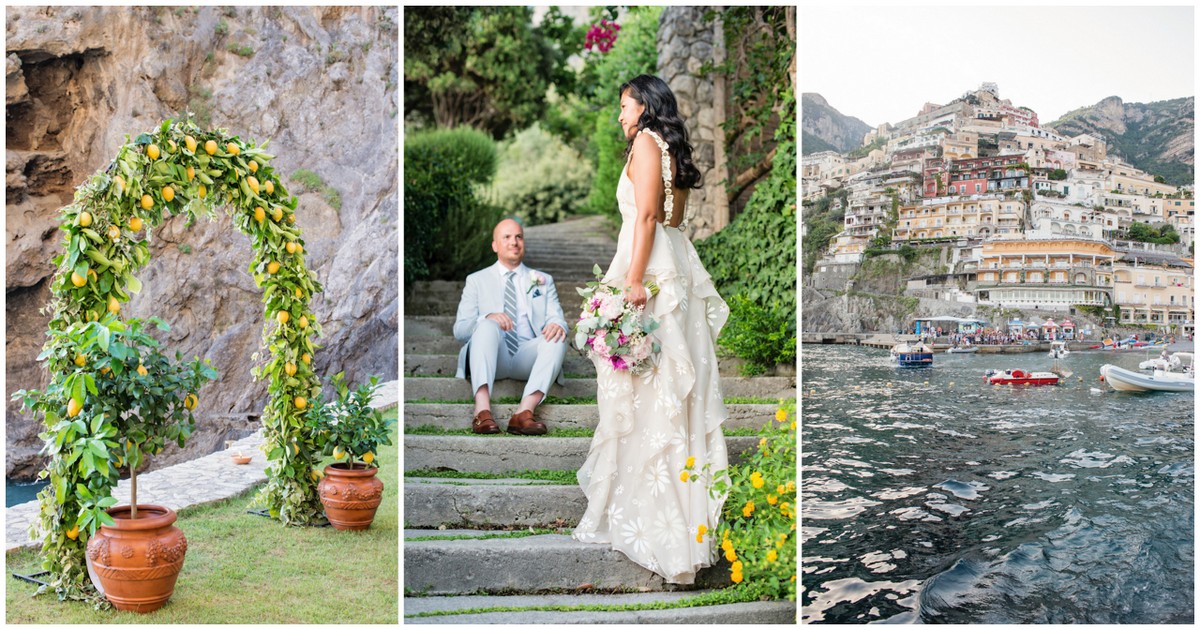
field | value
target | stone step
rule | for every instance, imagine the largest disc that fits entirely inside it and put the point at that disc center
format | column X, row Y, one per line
column 441, row 291
column 505, row 453
column 574, row 363
column 430, row 503
column 458, row 415
column 445, row 389
column 530, row 564
column 781, row 612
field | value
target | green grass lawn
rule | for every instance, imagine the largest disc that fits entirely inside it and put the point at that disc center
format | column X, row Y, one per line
column 242, row 568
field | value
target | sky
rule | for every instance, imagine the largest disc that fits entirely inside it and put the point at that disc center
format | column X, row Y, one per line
column 881, row 64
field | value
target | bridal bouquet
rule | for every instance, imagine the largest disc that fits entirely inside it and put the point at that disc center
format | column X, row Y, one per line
column 612, row 329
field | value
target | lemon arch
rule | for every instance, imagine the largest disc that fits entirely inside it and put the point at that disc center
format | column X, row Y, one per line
column 181, row 169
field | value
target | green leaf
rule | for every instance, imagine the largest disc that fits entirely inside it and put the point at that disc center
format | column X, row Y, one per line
column 133, row 284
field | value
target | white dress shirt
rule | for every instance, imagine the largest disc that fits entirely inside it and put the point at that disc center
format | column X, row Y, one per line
column 524, row 322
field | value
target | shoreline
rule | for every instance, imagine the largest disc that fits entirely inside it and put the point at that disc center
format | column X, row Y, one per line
column 887, row 340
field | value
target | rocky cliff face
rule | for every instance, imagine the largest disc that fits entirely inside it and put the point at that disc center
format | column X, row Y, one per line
column 818, row 119
column 320, row 83
column 1158, row 138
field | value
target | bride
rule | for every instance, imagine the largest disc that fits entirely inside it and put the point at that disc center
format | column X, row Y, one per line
column 653, row 425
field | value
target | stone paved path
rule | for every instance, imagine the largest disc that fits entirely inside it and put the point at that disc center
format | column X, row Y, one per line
column 202, row 480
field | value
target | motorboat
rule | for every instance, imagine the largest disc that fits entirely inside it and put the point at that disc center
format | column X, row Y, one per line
column 1058, row 350
column 916, row 354
column 1165, row 363
column 1124, row 380
column 1019, row 377
column 962, row 350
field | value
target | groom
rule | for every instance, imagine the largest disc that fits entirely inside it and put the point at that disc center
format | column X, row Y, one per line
column 513, row 327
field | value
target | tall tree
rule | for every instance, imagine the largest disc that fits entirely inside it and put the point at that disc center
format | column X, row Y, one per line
column 487, row 67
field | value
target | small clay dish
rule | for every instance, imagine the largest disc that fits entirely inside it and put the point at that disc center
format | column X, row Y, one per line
column 241, row 459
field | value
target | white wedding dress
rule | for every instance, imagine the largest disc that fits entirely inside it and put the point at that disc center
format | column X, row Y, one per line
column 651, row 423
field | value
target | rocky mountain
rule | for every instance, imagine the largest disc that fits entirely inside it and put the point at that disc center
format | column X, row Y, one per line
column 821, row 121
column 1158, row 137
column 320, row 83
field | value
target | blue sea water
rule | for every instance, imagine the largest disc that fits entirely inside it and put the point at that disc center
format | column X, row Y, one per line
column 928, row 496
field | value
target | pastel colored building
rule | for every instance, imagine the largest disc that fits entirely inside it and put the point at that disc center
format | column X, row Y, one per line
column 1055, row 273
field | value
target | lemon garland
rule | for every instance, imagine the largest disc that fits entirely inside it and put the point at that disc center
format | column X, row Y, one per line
column 181, row 169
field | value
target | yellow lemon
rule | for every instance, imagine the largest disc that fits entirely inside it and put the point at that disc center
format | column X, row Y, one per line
column 303, row 323
column 260, row 215
column 190, row 402
column 73, row 408
column 73, row 533
column 369, row 457
column 338, row 452
column 190, row 142
column 113, row 305
column 299, row 293
column 269, row 186
column 252, row 182
column 114, row 232
column 210, row 147
column 232, row 149
column 202, row 191
column 277, row 214
column 291, row 218
column 305, row 358
column 289, row 369
column 191, row 173
column 290, row 247
column 78, row 280
column 80, row 360
column 142, row 370
column 253, row 166
column 273, row 268
column 147, row 202
column 171, row 146
column 85, row 219
column 152, row 151
column 299, row 247
column 104, row 370
column 135, row 223
column 314, row 475
column 168, row 193
column 300, row 402
column 282, row 317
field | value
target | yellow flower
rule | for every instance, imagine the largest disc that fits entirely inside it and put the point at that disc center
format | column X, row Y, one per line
column 730, row 555
column 762, row 442
column 793, row 425
column 779, row 489
column 737, row 566
column 699, row 538
column 756, row 480
column 779, row 545
column 748, row 509
column 683, row 476
column 691, row 461
column 727, row 545
column 772, row 499
column 736, row 577
column 793, row 578
column 781, row 415
column 791, row 486
column 772, row 556
column 702, row 530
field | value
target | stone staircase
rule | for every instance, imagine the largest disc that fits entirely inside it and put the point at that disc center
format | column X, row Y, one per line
column 503, row 542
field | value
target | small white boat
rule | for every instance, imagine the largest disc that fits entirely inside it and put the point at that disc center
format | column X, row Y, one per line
column 1167, row 364
column 1058, row 350
column 1124, row 380
column 962, row 350
column 915, row 355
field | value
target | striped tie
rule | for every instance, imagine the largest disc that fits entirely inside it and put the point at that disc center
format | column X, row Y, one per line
column 510, row 309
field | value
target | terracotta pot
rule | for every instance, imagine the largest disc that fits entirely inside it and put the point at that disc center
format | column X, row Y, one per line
column 350, row 496
column 137, row 561
column 240, row 459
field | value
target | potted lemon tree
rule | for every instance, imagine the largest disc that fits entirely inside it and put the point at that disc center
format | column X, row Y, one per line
column 121, row 402
column 350, row 430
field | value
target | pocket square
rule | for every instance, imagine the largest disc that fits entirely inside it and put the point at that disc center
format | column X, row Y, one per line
column 537, row 293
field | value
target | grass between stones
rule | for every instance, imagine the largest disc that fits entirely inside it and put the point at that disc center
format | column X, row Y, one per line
column 560, row 477
column 521, row 533
column 711, row 598
column 242, row 568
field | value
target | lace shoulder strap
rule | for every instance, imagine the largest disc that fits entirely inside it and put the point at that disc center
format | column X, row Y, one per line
column 669, row 204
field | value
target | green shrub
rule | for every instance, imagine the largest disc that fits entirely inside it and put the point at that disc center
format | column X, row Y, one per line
column 447, row 229
column 307, row 180
column 539, row 178
column 763, row 338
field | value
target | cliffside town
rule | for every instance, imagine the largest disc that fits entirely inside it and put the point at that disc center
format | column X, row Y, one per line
column 1005, row 215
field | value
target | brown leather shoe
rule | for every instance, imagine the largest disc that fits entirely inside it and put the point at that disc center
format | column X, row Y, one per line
column 522, row 423
column 484, row 424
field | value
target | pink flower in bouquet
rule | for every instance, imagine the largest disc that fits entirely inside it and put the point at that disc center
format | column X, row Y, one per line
column 618, row 363
column 641, row 350
column 600, row 346
column 611, row 306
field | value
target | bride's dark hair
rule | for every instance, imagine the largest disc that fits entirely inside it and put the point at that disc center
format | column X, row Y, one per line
column 662, row 117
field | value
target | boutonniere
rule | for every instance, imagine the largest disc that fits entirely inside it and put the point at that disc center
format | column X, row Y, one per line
column 536, row 281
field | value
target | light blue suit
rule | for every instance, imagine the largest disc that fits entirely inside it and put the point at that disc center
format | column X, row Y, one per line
column 485, row 358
